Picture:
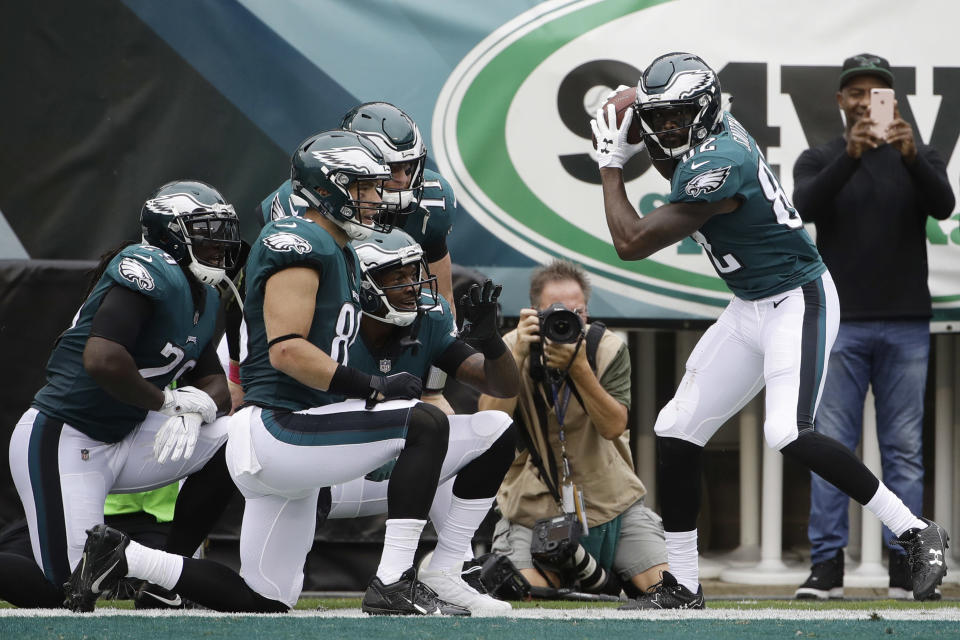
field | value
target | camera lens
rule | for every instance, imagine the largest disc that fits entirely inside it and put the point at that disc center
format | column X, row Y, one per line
column 559, row 324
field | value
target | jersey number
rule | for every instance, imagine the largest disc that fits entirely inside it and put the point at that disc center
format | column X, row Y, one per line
column 772, row 191
column 170, row 350
column 723, row 264
column 348, row 323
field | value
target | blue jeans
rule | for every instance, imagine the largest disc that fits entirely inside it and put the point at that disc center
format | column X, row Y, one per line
column 892, row 356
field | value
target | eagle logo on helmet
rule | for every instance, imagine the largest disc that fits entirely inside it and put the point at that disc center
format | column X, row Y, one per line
column 134, row 271
column 285, row 242
column 683, row 85
column 352, row 159
column 707, row 182
column 174, row 204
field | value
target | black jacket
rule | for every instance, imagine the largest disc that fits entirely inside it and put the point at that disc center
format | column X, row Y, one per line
column 871, row 217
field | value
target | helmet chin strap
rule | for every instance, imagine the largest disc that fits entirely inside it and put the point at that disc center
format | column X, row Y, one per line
column 205, row 274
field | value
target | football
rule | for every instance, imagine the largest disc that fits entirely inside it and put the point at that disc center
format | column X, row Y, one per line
column 624, row 100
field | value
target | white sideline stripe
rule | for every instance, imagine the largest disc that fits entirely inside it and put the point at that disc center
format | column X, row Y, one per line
column 940, row 614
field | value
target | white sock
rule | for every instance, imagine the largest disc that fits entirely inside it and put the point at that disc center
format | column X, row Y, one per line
column 454, row 538
column 159, row 567
column 399, row 546
column 892, row 512
column 683, row 559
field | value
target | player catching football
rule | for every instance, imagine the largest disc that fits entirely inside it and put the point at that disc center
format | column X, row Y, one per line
column 777, row 331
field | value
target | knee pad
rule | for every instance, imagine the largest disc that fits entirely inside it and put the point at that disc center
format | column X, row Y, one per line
column 490, row 425
column 428, row 423
column 674, row 419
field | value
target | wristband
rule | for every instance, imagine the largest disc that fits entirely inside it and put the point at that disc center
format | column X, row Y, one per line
column 493, row 348
column 233, row 375
column 350, row 382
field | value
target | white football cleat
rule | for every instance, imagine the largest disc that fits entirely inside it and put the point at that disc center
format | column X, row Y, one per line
column 450, row 587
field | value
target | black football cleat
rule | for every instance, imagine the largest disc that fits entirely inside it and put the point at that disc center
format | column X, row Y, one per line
column 101, row 567
column 667, row 594
column 927, row 554
column 406, row 597
column 151, row 596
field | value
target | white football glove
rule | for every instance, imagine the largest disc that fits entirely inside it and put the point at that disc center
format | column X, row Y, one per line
column 177, row 437
column 177, row 402
column 613, row 150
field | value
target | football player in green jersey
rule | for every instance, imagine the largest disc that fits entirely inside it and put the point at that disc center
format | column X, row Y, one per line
column 310, row 420
column 776, row 332
column 407, row 326
column 426, row 203
column 107, row 419
column 425, row 200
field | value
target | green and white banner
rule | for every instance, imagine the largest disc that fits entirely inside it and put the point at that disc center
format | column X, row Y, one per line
column 511, row 124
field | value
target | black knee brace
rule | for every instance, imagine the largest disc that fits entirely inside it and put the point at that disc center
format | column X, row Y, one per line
column 482, row 476
column 834, row 463
column 681, row 463
column 413, row 482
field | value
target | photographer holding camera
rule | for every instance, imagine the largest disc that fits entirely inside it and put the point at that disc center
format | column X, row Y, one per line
column 575, row 464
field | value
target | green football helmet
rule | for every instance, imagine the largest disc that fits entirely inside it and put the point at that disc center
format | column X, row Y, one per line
column 678, row 104
column 192, row 222
column 399, row 140
column 382, row 258
column 324, row 167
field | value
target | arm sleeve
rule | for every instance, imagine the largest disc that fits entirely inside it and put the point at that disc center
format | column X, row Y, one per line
column 930, row 175
column 122, row 314
column 453, row 356
column 436, row 249
column 816, row 183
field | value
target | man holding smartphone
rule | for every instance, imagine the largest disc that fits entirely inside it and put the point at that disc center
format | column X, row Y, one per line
column 869, row 192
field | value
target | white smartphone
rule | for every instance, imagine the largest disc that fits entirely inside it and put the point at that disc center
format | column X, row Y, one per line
column 881, row 110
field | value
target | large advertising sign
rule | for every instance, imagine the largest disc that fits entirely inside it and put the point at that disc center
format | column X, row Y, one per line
column 511, row 125
column 503, row 91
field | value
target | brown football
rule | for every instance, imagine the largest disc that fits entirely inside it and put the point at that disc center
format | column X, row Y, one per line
column 624, row 100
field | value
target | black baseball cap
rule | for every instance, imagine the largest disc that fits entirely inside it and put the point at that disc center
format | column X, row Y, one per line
column 866, row 64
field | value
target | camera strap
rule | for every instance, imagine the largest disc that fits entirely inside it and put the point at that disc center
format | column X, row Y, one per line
column 549, row 477
column 591, row 342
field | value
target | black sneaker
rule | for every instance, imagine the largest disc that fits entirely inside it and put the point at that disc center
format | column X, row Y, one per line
column 151, row 596
column 825, row 580
column 406, row 597
column 926, row 554
column 667, row 594
column 472, row 569
column 101, row 567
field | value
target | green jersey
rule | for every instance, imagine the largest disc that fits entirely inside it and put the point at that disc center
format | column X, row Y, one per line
column 761, row 249
column 168, row 345
column 298, row 242
column 429, row 224
column 436, row 332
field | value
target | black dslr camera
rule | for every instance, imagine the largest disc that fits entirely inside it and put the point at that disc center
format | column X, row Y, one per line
column 556, row 539
column 555, row 546
column 559, row 324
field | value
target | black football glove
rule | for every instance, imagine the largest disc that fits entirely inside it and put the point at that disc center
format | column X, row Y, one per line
column 480, row 308
column 398, row 386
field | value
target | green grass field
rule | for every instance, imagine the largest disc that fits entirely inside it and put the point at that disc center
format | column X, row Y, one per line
column 563, row 620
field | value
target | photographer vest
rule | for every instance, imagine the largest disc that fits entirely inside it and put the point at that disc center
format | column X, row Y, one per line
column 602, row 468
